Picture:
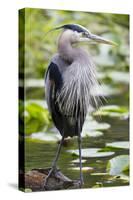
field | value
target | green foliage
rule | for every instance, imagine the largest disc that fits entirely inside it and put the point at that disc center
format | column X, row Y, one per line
column 113, row 71
column 112, row 62
column 39, row 47
column 118, row 165
column 36, row 118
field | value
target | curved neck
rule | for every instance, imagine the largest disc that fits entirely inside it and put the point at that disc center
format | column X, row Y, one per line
column 70, row 53
column 65, row 49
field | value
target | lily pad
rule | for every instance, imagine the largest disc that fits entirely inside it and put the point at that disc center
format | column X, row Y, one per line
column 83, row 168
column 91, row 153
column 118, row 165
column 122, row 176
column 92, row 125
column 99, row 174
column 77, row 161
column 121, row 145
column 118, row 76
column 46, row 136
column 92, row 128
column 113, row 111
column 92, row 133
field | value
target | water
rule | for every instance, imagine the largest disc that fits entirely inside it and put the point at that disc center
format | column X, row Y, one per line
column 41, row 154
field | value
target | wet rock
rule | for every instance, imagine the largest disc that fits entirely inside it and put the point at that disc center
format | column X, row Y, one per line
column 35, row 180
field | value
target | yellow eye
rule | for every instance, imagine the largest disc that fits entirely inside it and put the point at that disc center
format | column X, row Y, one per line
column 85, row 34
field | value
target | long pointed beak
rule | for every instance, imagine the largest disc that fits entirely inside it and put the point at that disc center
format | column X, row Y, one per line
column 99, row 39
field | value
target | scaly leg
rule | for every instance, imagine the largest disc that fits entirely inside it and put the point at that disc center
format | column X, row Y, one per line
column 80, row 160
column 54, row 162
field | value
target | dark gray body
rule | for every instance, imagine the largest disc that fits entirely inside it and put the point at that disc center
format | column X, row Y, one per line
column 67, row 122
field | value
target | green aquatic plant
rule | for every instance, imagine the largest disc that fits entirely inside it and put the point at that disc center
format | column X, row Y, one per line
column 36, row 117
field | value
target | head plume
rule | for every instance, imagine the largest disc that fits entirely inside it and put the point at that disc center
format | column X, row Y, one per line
column 73, row 27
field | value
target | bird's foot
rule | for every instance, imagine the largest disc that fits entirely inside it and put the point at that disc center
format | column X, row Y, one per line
column 52, row 170
column 81, row 183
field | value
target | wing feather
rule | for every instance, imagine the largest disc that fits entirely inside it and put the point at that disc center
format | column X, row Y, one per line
column 53, row 80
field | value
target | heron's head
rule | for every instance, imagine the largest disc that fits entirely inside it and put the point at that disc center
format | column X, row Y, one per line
column 76, row 33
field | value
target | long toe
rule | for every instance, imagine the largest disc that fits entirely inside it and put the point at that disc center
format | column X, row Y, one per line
column 81, row 183
column 53, row 170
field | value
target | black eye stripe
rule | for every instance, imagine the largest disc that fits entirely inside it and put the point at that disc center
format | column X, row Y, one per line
column 74, row 27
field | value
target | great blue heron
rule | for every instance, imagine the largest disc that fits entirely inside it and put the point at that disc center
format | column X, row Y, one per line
column 69, row 80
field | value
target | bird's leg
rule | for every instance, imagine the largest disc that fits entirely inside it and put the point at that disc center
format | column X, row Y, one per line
column 80, row 160
column 53, row 167
column 57, row 153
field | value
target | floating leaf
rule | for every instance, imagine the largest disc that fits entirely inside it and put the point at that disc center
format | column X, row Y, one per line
column 124, row 177
column 83, row 168
column 113, row 111
column 99, row 174
column 118, row 165
column 46, row 136
column 91, row 152
column 92, row 126
column 77, row 161
column 92, row 133
column 121, row 177
column 122, row 145
column 118, row 76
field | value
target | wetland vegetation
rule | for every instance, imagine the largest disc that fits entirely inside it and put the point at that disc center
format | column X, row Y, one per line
column 105, row 135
